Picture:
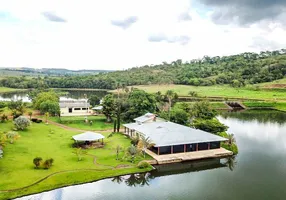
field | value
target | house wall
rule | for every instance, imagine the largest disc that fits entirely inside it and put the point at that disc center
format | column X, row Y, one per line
column 75, row 111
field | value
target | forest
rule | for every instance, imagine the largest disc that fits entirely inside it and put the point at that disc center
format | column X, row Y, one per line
column 236, row 70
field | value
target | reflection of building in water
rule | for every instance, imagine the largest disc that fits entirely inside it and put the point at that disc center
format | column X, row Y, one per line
column 184, row 167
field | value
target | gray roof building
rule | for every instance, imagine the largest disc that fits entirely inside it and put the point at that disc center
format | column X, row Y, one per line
column 74, row 104
column 169, row 133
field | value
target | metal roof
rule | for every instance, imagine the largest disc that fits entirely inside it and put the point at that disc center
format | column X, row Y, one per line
column 74, row 104
column 88, row 136
column 145, row 117
column 169, row 133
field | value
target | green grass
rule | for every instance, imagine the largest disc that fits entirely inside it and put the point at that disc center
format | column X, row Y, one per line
column 99, row 122
column 273, row 105
column 217, row 91
column 214, row 105
column 17, row 170
column 6, row 89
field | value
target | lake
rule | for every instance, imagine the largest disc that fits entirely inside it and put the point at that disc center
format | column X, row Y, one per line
column 64, row 94
column 257, row 172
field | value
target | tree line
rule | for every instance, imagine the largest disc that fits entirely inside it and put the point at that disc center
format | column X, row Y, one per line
column 236, row 70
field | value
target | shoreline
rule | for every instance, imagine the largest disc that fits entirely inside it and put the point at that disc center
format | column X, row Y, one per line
column 6, row 194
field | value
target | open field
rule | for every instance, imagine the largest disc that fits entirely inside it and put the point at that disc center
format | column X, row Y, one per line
column 5, row 89
column 214, row 105
column 275, row 84
column 217, row 91
column 17, row 169
column 272, row 105
column 99, row 122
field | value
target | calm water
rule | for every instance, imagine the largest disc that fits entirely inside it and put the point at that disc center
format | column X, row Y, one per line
column 66, row 95
column 258, row 172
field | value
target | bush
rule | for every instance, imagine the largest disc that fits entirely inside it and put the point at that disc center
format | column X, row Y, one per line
column 4, row 118
column 37, row 162
column 48, row 163
column 209, row 125
column 135, row 140
column 233, row 147
column 143, row 165
column 21, row 123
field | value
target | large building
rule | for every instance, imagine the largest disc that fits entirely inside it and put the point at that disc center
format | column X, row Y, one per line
column 75, row 108
column 171, row 138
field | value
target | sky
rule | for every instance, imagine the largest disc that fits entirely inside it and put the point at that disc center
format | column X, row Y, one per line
column 119, row 34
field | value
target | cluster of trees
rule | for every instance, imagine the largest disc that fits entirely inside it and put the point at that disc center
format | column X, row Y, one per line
column 236, row 70
column 47, row 102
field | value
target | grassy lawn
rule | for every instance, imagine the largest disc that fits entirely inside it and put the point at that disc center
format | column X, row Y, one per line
column 17, row 170
column 217, row 91
column 214, row 105
column 6, row 89
column 274, row 105
column 99, row 122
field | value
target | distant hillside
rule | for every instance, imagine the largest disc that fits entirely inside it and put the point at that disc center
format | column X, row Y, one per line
column 26, row 71
column 236, row 70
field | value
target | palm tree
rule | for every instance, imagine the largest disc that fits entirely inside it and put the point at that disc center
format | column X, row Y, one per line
column 231, row 139
column 231, row 162
column 170, row 95
column 132, row 151
column 147, row 143
column 132, row 180
column 117, row 179
column 118, row 149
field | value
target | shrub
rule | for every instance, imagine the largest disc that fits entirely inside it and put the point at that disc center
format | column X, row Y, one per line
column 12, row 136
column 143, row 165
column 48, row 163
column 37, row 162
column 4, row 118
column 21, row 123
column 233, row 147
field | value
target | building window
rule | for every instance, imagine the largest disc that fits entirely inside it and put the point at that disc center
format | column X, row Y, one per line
column 83, row 108
column 76, row 108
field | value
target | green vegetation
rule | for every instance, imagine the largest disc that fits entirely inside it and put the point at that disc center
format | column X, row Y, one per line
column 98, row 122
column 235, row 70
column 223, row 91
column 265, row 105
column 7, row 89
column 47, row 102
column 66, row 170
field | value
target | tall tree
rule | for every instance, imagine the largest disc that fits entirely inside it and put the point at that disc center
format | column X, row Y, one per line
column 108, row 104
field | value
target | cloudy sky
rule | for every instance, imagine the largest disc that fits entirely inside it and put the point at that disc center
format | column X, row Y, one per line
column 118, row 34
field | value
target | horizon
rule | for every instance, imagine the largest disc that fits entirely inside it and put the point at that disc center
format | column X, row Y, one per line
column 99, row 36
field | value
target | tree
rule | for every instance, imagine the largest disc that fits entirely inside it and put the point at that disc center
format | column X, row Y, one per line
column 132, row 152
column 49, row 96
column 209, row 125
column 118, row 149
column 231, row 139
column 203, row 110
column 47, row 114
column 30, row 114
column 171, row 96
column 146, row 143
column 179, row 116
column 21, row 123
column 50, row 107
column 93, row 100
column 108, row 105
column 80, row 153
column 137, row 103
column 17, row 108
column 37, row 162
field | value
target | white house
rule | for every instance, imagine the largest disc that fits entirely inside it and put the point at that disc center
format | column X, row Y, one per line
column 75, row 108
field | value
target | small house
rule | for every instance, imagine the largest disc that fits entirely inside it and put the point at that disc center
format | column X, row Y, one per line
column 75, row 108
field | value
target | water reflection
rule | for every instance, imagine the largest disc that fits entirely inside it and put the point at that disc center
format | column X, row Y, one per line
column 79, row 94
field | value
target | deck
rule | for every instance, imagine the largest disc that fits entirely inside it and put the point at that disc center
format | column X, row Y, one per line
column 195, row 155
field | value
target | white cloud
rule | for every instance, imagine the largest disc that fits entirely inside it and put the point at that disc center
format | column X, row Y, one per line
column 86, row 38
